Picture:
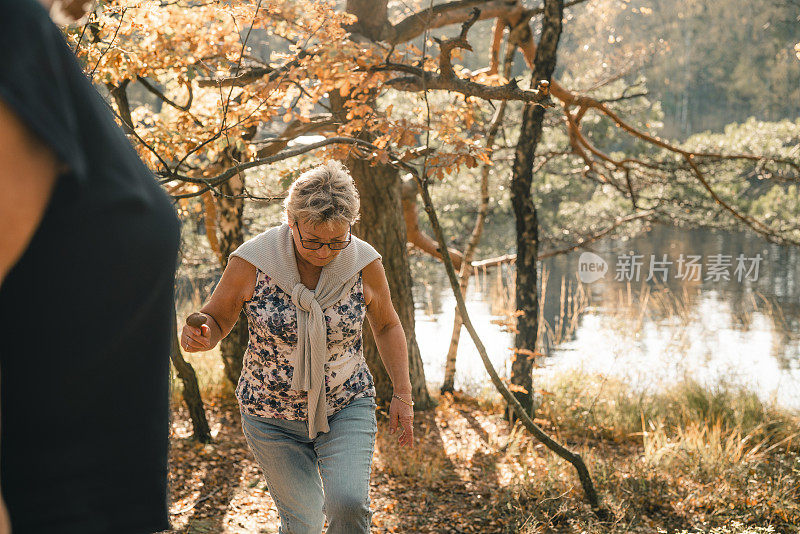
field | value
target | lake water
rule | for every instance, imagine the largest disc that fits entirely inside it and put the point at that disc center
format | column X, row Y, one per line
column 729, row 310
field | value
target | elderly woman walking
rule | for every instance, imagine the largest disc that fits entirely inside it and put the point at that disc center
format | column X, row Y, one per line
column 306, row 395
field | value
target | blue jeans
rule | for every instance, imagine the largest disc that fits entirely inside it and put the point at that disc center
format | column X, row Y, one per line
column 292, row 464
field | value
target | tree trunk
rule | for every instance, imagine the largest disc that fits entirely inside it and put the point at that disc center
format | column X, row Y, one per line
column 231, row 235
column 372, row 16
column 191, row 390
column 527, row 226
column 383, row 226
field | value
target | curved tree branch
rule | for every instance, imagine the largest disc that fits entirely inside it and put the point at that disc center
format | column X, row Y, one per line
column 584, row 102
column 216, row 181
column 456, row 12
column 157, row 92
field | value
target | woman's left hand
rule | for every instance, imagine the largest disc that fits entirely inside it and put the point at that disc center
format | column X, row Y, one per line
column 402, row 415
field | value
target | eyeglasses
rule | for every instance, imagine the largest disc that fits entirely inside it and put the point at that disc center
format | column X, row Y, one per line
column 313, row 244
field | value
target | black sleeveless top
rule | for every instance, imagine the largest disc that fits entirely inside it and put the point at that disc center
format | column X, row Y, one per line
column 86, row 315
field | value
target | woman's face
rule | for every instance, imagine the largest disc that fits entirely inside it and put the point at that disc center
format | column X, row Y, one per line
column 323, row 233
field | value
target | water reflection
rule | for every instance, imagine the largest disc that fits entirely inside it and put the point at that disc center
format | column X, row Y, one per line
column 743, row 330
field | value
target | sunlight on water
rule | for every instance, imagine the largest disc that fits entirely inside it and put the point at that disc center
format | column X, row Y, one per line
column 433, row 336
column 709, row 349
column 649, row 333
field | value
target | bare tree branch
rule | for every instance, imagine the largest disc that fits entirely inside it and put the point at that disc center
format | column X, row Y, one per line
column 579, row 142
column 447, row 46
column 252, row 75
column 509, row 91
column 153, row 89
column 456, row 12
column 234, row 170
column 294, row 129
column 618, row 221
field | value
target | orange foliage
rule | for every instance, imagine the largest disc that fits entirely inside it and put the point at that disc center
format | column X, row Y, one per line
column 185, row 50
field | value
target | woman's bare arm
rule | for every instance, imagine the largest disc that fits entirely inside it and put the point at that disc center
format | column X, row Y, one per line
column 390, row 338
column 386, row 327
column 28, row 171
column 222, row 310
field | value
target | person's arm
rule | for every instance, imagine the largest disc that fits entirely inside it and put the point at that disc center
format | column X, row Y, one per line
column 28, row 171
column 222, row 311
column 390, row 338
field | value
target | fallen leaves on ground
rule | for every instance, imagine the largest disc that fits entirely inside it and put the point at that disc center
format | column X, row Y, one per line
column 470, row 471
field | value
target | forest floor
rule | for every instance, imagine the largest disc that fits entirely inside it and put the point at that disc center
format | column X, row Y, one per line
column 472, row 472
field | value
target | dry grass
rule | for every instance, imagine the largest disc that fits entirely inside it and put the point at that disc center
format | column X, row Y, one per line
column 684, row 458
column 470, row 471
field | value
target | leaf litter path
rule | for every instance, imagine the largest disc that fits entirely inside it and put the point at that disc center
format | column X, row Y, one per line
column 448, row 483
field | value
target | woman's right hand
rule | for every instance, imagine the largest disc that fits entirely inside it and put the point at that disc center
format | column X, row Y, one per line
column 221, row 312
column 196, row 339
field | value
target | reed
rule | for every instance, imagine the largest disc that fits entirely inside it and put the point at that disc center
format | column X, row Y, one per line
column 701, row 454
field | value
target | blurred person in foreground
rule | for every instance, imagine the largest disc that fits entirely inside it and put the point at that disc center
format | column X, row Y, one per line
column 88, row 253
column 306, row 395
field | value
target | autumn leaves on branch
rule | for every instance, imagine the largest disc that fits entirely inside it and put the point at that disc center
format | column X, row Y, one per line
column 197, row 60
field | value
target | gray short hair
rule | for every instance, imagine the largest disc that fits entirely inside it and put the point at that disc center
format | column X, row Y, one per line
column 323, row 195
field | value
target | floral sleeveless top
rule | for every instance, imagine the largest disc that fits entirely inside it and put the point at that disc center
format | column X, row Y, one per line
column 264, row 387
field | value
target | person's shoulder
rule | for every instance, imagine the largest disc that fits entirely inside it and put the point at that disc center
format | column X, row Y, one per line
column 374, row 267
column 373, row 279
column 243, row 275
column 238, row 266
column 255, row 246
column 23, row 15
column 32, row 8
column 364, row 250
column 28, row 37
column 270, row 232
column 15, row 132
column 41, row 80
